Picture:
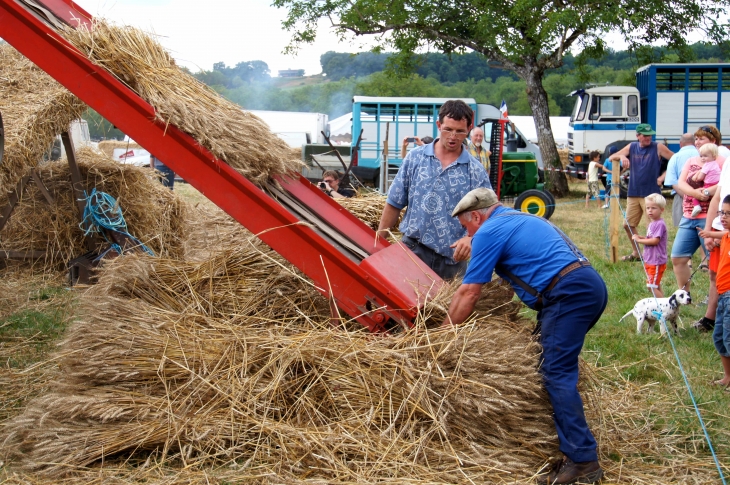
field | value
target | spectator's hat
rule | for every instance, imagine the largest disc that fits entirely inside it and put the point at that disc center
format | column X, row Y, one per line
column 480, row 198
column 645, row 129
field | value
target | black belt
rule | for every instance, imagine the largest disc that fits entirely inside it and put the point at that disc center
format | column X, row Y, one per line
column 538, row 295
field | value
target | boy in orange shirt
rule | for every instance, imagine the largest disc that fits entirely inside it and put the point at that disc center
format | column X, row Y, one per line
column 721, row 334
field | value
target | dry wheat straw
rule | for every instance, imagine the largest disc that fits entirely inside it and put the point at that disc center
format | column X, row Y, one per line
column 235, row 136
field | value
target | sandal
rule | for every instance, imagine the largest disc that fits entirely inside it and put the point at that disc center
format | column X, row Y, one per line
column 630, row 258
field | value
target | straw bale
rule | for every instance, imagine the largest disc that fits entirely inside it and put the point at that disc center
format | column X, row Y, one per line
column 35, row 109
column 107, row 147
column 563, row 152
column 237, row 137
column 154, row 214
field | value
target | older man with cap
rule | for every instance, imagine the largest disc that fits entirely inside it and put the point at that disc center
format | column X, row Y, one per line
column 643, row 157
column 550, row 275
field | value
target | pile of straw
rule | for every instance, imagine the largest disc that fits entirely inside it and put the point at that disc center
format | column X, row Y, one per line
column 235, row 136
column 154, row 214
column 231, row 361
column 368, row 207
column 35, row 109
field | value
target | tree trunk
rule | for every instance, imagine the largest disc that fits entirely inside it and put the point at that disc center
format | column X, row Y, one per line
column 556, row 182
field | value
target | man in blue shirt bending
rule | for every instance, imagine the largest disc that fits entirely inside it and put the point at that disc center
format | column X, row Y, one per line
column 430, row 182
column 550, row 275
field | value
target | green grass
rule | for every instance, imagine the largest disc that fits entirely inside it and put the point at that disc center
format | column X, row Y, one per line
column 647, row 358
column 27, row 335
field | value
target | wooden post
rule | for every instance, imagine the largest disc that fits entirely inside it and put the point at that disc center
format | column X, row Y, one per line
column 384, row 163
column 615, row 219
column 76, row 183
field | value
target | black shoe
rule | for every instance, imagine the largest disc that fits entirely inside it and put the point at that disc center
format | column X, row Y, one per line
column 703, row 325
column 568, row 472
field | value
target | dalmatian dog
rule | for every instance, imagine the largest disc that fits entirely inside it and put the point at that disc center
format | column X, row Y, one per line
column 669, row 307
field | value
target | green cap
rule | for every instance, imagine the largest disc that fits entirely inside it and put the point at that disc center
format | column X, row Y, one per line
column 645, row 129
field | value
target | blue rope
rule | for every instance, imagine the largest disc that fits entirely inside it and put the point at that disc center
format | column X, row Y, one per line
column 103, row 211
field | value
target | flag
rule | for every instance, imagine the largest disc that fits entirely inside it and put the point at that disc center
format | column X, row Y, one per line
column 503, row 110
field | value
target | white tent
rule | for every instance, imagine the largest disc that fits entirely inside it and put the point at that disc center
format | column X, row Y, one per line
column 559, row 125
column 341, row 125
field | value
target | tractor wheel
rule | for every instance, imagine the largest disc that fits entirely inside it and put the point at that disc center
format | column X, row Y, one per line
column 534, row 202
column 551, row 205
column 624, row 184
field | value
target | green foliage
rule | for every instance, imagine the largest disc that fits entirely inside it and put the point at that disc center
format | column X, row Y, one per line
column 364, row 74
column 100, row 128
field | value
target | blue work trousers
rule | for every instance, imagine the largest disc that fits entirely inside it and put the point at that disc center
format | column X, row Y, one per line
column 570, row 309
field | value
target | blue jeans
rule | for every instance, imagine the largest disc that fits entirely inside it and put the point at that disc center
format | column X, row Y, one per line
column 168, row 179
column 687, row 239
column 569, row 311
column 721, row 334
column 434, row 260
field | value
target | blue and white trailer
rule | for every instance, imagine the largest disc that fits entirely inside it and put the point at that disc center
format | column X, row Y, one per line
column 377, row 119
column 673, row 98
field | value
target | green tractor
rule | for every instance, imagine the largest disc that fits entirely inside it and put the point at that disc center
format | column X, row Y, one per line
column 515, row 175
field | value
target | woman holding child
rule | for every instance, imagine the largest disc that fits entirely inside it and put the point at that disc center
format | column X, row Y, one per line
column 692, row 184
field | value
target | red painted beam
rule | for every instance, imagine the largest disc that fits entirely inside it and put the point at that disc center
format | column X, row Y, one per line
column 371, row 291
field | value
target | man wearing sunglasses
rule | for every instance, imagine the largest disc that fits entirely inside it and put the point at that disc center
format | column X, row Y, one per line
column 431, row 181
column 643, row 157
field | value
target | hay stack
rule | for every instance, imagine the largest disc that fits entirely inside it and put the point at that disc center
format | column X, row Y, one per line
column 235, row 136
column 231, row 362
column 154, row 214
column 35, row 109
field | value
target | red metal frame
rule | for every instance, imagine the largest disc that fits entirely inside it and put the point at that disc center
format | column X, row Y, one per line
column 500, row 174
column 380, row 287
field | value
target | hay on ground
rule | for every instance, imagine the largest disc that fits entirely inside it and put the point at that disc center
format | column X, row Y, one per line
column 233, row 135
column 153, row 213
column 35, row 109
column 232, row 362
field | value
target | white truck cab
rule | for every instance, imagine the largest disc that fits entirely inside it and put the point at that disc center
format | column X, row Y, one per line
column 601, row 117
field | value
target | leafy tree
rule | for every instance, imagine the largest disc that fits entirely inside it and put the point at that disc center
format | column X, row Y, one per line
column 527, row 37
column 100, row 128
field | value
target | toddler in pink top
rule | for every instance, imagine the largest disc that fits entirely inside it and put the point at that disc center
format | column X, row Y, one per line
column 709, row 173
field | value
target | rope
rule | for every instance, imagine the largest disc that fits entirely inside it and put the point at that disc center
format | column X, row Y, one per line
column 662, row 321
column 102, row 211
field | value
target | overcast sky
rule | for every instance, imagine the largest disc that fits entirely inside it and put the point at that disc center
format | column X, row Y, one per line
column 200, row 33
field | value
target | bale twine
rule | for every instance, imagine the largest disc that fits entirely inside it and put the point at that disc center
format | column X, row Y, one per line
column 35, row 109
column 235, row 136
column 231, row 361
column 154, row 214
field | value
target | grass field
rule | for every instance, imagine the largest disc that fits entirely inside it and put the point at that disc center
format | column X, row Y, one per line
column 35, row 313
column 647, row 358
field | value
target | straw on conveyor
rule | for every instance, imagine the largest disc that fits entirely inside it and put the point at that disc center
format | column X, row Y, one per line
column 235, row 136
column 35, row 109
column 154, row 214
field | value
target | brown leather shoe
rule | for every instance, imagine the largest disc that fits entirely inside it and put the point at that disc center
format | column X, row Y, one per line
column 568, row 472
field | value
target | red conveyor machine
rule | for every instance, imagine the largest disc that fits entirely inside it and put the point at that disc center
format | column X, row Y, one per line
column 382, row 286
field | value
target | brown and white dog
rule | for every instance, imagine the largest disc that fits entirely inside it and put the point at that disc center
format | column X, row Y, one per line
column 668, row 307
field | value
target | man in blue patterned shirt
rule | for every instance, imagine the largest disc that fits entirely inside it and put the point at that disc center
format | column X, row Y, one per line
column 431, row 181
